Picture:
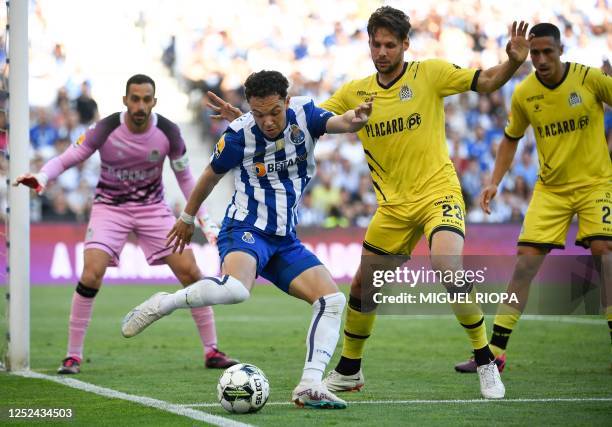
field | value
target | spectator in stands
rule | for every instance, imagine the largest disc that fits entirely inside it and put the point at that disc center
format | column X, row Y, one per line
column 59, row 210
column 43, row 134
column 86, row 106
column 526, row 169
column 325, row 195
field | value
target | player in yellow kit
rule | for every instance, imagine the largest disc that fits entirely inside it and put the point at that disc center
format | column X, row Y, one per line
column 416, row 184
column 563, row 102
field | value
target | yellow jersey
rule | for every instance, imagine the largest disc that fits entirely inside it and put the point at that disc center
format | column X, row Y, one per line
column 404, row 140
column 568, row 123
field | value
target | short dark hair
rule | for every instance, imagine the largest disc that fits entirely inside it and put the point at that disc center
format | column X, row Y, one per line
column 390, row 18
column 265, row 83
column 546, row 29
column 138, row 79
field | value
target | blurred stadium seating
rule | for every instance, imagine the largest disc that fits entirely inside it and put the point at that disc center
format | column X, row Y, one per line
column 216, row 48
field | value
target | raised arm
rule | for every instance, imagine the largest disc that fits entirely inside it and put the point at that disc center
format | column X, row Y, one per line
column 517, row 49
column 181, row 233
column 503, row 161
column 85, row 146
column 352, row 120
column 74, row 155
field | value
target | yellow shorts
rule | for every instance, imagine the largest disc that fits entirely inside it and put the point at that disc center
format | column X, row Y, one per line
column 396, row 229
column 550, row 213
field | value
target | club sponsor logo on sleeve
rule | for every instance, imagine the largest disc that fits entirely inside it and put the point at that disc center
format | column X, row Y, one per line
column 80, row 140
column 219, row 147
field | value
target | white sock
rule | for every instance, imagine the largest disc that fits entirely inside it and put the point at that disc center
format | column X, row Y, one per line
column 208, row 291
column 322, row 335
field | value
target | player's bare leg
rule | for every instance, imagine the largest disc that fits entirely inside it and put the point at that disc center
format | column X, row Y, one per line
column 446, row 255
column 316, row 286
column 94, row 267
column 187, row 272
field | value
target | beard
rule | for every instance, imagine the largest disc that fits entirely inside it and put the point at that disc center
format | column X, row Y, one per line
column 390, row 68
column 139, row 118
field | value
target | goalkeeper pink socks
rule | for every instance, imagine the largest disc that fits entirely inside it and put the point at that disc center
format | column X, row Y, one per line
column 205, row 321
column 80, row 315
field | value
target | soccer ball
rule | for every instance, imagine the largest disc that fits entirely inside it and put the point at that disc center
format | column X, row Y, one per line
column 243, row 388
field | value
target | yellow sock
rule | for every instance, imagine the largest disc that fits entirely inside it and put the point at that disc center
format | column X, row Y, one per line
column 357, row 329
column 472, row 319
column 507, row 316
column 505, row 322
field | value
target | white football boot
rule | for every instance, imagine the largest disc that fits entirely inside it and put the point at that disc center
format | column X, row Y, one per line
column 335, row 381
column 317, row 396
column 142, row 316
column 491, row 386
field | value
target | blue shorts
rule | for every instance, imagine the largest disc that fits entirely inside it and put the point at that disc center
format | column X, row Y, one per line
column 280, row 259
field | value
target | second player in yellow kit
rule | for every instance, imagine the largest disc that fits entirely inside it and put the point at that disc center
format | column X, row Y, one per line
column 563, row 102
column 575, row 169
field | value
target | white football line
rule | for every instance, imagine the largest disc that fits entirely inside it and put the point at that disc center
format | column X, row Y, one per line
column 427, row 402
column 162, row 405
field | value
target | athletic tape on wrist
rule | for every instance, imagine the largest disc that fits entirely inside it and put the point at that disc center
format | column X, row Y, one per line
column 187, row 219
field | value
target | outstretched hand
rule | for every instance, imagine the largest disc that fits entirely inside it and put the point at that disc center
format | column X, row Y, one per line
column 518, row 45
column 224, row 110
column 34, row 181
column 363, row 111
column 180, row 235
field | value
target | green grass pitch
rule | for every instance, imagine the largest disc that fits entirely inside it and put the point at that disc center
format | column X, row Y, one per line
column 408, row 359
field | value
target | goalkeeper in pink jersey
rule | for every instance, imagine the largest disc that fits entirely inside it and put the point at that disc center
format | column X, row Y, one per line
column 130, row 198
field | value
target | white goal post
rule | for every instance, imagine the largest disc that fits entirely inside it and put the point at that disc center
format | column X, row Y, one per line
column 18, row 212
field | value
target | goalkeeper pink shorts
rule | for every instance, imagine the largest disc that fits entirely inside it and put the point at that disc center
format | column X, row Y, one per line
column 109, row 227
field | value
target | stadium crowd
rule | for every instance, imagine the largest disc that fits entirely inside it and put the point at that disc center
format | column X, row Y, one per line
column 318, row 52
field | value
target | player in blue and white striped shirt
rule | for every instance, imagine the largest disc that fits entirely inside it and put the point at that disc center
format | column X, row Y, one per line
column 271, row 167
column 271, row 152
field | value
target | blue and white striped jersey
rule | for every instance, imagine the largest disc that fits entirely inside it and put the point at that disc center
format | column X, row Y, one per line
column 270, row 176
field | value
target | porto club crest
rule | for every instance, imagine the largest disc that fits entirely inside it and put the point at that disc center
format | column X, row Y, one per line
column 296, row 135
